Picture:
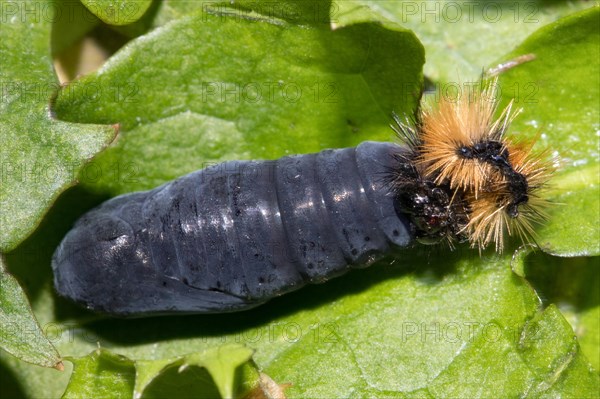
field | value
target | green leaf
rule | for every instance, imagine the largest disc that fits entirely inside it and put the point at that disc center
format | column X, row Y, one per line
column 410, row 326
column 550, row 349
column 70, row 23
column 396, row 329
column 101, row 374
column 299, row 12
column 572, row 228
column 282, row 89
column 118, row 12
column 573, row 284
column 221, row 363
column 166, row 11
column 117, row 376
column 40, row 156
column 463, row 38
column 20, row 335
column 466, row 325
column 546, row 363
column 560, row 93
column 147, row 370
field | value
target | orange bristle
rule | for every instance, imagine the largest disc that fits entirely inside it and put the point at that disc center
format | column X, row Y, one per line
column 463, row 123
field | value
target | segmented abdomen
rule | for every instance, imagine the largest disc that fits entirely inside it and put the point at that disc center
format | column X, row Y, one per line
column 233, row 235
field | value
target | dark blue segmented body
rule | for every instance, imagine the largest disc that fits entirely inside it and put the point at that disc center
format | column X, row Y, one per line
column 234, row 235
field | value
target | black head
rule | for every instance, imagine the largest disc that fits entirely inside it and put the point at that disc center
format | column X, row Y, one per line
column 436, row 212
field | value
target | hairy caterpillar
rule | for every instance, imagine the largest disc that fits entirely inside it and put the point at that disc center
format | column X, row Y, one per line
column 234, row 235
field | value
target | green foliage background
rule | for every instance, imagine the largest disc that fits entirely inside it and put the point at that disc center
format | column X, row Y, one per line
column 198, row 83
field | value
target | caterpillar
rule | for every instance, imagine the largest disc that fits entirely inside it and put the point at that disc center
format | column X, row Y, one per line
column 234, row 235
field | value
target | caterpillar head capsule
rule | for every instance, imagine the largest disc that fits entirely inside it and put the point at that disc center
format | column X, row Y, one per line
column 435, row 215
